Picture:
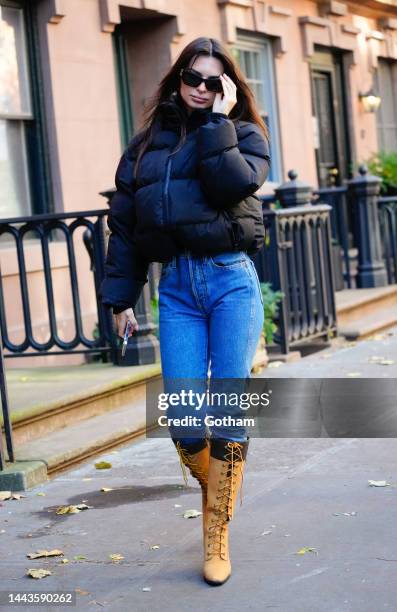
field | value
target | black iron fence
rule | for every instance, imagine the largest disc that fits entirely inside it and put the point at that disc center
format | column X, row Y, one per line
column 387, row 209
column 47, row 230
column 297, row 260
column 309, row 233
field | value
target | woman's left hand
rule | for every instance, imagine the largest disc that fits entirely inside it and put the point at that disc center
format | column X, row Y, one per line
column 229, row 100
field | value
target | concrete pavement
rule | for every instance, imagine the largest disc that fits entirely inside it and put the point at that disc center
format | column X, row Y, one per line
column 309, row 492
column 296, row 489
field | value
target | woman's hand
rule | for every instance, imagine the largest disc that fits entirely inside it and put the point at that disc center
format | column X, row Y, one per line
column 229, row 100
column 121, row 321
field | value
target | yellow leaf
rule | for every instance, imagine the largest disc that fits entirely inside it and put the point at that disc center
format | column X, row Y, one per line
column 45, row 553
column 306, row 549
column 106, row 489
column 103, row 465
column 38, row 572
column 73, row 509
column 116, row 557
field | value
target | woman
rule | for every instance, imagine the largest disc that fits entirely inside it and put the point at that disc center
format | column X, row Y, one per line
column 185, row 197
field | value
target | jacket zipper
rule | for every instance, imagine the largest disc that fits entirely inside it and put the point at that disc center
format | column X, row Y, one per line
column 166, row 215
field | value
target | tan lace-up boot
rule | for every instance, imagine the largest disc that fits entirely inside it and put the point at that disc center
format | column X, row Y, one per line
column 225, row 475
column 196, row 457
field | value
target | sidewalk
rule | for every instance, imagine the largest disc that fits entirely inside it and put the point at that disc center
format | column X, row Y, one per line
column 295, row 494
column 361, row 359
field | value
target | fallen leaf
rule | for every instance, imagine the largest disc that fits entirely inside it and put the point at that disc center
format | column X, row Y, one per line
column 146, row 589
column 191, row 514
column 45, row 553
column 116, row 557
column 38, row 573
column 65, row 560
column 379, row 483
column 266, row 532
column 103, row 465
column 387, row 362
column 86, row 479
column 177, row 505
column 353, row 374
column 73, row 509
column 78, row 557
column 155, row 547
column 306, row 549
column 41, row 494
column 81, row 592
column 106, row 489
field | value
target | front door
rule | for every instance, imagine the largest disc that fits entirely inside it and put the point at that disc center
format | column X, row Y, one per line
column 330, row 118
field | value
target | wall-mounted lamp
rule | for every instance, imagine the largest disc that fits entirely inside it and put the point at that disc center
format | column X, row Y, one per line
column 370, row 101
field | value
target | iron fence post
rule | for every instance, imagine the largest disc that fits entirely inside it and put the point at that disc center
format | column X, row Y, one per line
column 294, row 192
column 364, row 190
column 6, row 413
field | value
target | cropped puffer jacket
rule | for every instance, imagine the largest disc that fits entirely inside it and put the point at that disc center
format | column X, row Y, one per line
column 200, row 198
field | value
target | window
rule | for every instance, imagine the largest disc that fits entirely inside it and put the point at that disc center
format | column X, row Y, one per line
column 21, row 128
column 255, row 57
column 123, row 92
column 386, row 115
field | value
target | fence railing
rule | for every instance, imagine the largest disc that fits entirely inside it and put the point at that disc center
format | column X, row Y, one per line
column 337, row 199
column 387, row 208
column 49, row 230
column 297, row 260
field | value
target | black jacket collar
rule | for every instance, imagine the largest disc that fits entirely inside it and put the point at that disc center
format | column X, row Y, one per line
column 172, row 114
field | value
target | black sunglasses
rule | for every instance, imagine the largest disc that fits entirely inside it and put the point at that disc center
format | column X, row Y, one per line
column 193, row 79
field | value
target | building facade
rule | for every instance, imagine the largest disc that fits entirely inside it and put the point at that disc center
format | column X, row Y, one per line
column 75, row 75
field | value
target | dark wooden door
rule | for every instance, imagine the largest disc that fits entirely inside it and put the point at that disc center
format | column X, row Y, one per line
column 330, row 117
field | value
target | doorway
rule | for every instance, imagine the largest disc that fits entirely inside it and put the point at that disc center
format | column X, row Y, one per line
column 330, row 118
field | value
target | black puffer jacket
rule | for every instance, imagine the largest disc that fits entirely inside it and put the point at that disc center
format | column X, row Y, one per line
column 199, row 198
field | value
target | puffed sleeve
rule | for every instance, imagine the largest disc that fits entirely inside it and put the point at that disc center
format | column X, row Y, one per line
column 233, row 163
column 125, row 269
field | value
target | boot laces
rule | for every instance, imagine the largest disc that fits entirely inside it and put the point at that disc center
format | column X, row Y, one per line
column 196, row 470
column 223, row 510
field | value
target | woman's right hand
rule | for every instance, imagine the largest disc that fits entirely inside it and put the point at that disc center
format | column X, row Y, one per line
column 121, row 321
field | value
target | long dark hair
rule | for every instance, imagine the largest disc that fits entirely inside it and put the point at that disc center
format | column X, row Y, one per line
column 167, row 96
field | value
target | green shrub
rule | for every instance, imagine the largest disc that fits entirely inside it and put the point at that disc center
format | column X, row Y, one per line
column 384, row 165
column 271, row 300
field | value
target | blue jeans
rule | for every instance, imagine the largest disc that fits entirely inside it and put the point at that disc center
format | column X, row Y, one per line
column 210, row 316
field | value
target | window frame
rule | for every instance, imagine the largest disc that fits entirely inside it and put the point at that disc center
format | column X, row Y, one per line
column 34, row 124
column 381, row 126
column 264, row 44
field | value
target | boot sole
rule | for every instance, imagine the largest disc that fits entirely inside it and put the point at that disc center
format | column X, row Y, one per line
column 216, row 582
